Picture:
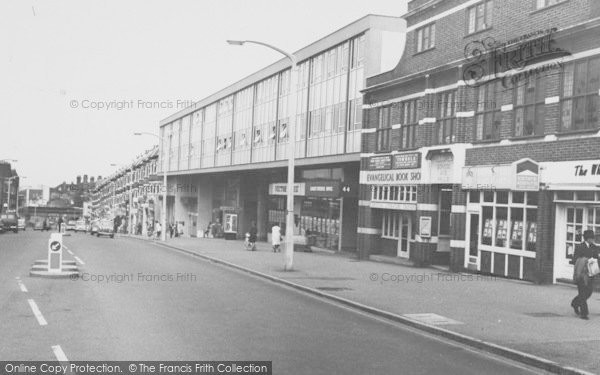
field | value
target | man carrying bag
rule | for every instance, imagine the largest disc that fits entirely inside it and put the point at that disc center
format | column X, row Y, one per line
column 582, row 276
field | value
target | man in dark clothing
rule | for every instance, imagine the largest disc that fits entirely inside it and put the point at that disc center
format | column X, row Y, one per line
column 584, row 251
column 60, row 222
column 253, row 235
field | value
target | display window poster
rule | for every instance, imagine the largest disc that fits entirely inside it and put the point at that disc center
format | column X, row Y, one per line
column 570, row 250
column 532, row 235
column 501, row 230
column 487, row 228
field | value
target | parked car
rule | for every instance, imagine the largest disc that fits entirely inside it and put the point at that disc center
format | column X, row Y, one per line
column 39, row 225
column 80, row 226
column 105, row 228
column 94, row 226
column 10, row 221
column 21, row 224
column 70, row 225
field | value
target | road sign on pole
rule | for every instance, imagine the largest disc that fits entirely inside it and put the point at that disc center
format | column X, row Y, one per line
column 55, row 252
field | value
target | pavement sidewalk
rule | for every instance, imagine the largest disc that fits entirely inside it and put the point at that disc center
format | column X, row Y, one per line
column 535, row 319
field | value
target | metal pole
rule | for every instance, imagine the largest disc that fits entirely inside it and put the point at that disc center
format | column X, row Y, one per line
column 288, row 252
column 8, row 199
column 290, row 224
column 164, row 205
column 130, row 202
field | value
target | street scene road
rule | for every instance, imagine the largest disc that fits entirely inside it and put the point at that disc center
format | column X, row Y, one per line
column 158, row 304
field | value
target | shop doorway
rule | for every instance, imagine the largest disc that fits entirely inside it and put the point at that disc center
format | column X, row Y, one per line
column 404, row 224
column 473, row 255
column 571, row 222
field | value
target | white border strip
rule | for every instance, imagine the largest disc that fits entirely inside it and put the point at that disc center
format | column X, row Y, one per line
column 374, row 231
column 59, row 354
column 458, row 209
column 442, row 15
column 427, row 207
column 37, row 312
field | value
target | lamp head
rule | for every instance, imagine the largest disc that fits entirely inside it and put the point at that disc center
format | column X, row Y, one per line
column 236, row 42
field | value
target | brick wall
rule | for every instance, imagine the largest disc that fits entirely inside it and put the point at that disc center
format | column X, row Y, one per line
column 573, row 149
column 511, row 19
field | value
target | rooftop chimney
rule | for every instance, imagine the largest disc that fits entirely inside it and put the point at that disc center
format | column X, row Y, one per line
column 78, row 180
column 85, row 178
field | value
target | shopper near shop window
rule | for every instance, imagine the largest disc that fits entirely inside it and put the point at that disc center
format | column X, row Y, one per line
column 584, row 251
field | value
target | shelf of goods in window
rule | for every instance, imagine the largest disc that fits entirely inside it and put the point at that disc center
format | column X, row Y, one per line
column 517, row 235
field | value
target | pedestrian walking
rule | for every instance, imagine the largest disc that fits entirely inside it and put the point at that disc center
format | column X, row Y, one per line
column 60, row 222
column 158, row 228
column 583, row 252
column 171, row 229
column 276, row 238
column 253, row 234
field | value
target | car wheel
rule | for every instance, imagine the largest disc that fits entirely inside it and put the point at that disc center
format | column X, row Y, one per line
column 112, row 236
column 97, row 234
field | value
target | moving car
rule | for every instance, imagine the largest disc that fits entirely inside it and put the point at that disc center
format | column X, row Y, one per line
column 9, row 221
column 21, row 224
column 94, row 226
column 105, row 228
column 80, row 226
column 39, row 225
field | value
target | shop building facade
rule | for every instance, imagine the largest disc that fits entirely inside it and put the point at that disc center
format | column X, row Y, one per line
column 133, row 191
column 505, row 95
column 229, row 151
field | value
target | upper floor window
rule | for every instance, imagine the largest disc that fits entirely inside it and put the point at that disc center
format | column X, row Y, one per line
column 383, row 128
column 426, row 37
column 530, row 106
column 546, row 3
column 446, row 124
column 487, row 111
column 409, row 123
column 479, row 17
column 580, row 103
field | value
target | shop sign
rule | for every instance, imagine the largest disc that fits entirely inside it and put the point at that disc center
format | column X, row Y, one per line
column 410, row 160
column 227, row 208
column 527, row 175
column 280, row 188
column 522, row 175
column 324, row 189
column 442, row 168
column 392, row 177
column 380, row 162
column 579, row 172
column 425, row 226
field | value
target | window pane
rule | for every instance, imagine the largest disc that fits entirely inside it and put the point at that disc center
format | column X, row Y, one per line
column 419, row 40
column 566, row 114
column 501, row 226
column 502, row 197
column 580, row 78
column 488, row 14
column 594, row 76
column 516, row 232
column 472, row 20
column 488, row 196
column 529, row 126
column 432, row 42
column 531, row 221
column 578, row 113
column 568, row 80
column 474, row 196
column 532, row 198
column 487, row 225
column 591, row 110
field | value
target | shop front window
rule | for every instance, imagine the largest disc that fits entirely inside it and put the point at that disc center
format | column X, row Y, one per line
column 394, row 194
column 509, row 220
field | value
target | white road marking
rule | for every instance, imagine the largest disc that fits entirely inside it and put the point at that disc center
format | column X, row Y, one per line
column 21, row 285
column 37, row 313
column 60, row 355
column 79, row 260
column 70, row 252
column 432, row 319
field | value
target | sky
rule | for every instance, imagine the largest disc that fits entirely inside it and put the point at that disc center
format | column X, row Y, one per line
column 78, row 78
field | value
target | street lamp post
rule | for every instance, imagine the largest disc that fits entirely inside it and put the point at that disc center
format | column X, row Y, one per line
column 292, row 102
column 164, row 205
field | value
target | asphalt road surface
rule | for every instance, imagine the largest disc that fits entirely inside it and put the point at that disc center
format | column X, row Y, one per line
column 158, row 304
